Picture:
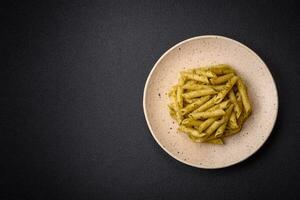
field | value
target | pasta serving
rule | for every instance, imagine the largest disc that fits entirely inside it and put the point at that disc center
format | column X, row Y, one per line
column 210, row 103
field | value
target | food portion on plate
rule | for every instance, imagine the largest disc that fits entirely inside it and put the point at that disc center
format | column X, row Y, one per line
column 210, row 103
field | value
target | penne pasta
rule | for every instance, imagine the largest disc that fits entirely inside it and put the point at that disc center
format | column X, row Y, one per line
column 218, row 87
column 205, row 106
column 240, row 103
column 179, row 96
column 212, row 128
column 221, row 129
column 244, row 95
column 195, row 77
column 223, row 105
column 172, row 112
column 221, row 95
column 190, row 131
column 209, row 103
column 215, row 141
column 207, row 114
column 189, row 101
column 221, row 79
column 237, row 109
column 192, row 71
column 206, row 124
column 207, row 73
column 179, row 117
column 191, row 82
column 191, row 122
column 195, row 86
column 221, row 69
column 232, row 124
column 181, row 81
column 197, row 139
column 231, row 131
column 199, row 93
column 191, row 107
column 172, row 91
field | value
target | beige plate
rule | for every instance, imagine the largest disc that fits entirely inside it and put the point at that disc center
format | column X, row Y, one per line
column 203, row 51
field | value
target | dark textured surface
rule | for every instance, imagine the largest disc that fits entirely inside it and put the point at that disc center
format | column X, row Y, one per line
column 72, row 123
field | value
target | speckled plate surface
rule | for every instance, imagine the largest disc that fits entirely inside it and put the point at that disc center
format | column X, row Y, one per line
column 203, row 51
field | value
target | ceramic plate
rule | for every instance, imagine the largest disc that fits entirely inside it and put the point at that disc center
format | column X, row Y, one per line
column 204, row 51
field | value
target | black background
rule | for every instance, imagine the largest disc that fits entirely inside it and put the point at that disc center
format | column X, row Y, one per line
column 72, row 123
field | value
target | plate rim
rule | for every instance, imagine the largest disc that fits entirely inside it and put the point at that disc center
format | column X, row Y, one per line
column 146, row 89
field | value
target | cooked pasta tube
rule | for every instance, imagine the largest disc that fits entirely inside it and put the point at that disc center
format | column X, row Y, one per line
column 240, row 103
column 172, row 112
column 232, row 121
column 221, row 95
column 195, row 86
column 181, row 81
column 221, row 69
column 197, row 139
column 199, row 93
column 221, row 79
column 230, row 132
column 207, row 73
column 207, row 114
column 221, row 129
column 218, row 87
column 223, row 105
column 190, row 131
column 237, row 109
column 189, row 108
column 212, row 128
column 245, row 99
column 191, row 122
column 195, row 77
column 189, row 101
column 206, row 106
column 179, row 96
column 172, row 91
column 206, row 124
column 179, row 117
